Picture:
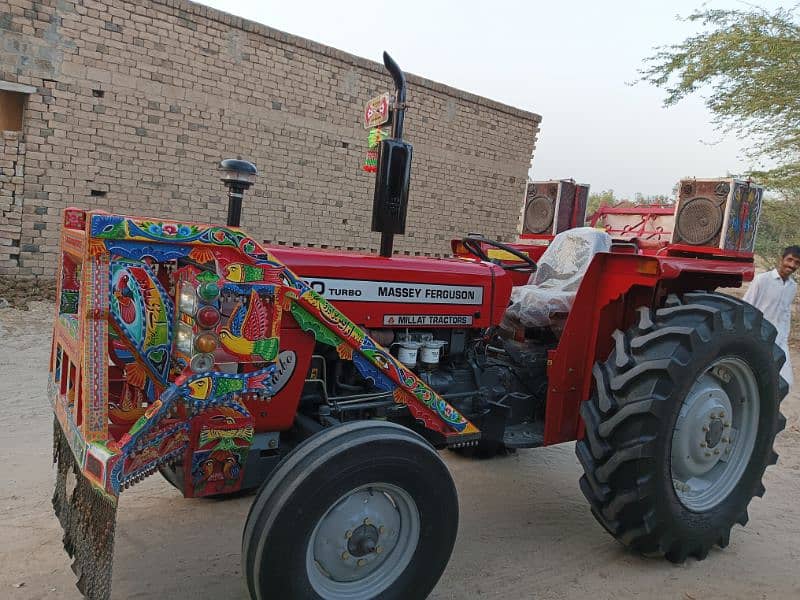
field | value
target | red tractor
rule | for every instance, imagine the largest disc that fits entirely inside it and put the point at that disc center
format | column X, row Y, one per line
column 329, row 380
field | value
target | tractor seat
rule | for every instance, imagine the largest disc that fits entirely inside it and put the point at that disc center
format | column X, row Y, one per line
column 551, row 290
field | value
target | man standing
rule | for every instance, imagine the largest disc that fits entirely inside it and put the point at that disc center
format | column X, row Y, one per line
column 773, row 293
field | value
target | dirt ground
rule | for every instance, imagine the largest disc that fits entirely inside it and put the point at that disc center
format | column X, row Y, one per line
column 525, row 532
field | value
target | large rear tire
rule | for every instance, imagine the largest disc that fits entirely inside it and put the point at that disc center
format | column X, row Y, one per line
column 680, row 428
column 359, row 511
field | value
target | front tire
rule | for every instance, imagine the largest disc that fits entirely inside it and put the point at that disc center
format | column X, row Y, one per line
column 358, row 511
column 680, row 428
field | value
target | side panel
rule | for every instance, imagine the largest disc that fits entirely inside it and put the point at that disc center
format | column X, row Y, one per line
column 291, row 367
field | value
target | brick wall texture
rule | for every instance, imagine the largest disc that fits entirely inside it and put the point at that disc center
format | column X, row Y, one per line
column 12, row 169
column 137, row 102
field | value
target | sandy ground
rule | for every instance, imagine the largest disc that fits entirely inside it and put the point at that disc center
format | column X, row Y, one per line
column 525, row 529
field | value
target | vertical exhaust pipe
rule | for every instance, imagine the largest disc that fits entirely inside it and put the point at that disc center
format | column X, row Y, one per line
column 393, row 178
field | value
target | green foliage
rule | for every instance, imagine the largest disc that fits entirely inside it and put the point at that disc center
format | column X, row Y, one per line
column 748, row 60
column 598, row 199
column 657, row 199
column 779, row 226
column 607, row 198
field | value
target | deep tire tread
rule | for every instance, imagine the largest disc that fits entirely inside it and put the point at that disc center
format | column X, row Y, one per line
column 629, row 405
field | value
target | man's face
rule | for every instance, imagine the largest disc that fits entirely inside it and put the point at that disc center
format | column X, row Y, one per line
column 789, row 265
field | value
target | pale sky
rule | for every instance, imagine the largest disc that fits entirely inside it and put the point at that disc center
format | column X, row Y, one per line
column 569, row 61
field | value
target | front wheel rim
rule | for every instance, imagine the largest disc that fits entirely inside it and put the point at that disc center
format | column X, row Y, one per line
column 715, row 434
column 363, row 542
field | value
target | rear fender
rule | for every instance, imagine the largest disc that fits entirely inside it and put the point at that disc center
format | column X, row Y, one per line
column 614, row 286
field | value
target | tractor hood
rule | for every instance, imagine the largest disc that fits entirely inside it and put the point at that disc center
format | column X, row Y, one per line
column 403, row 291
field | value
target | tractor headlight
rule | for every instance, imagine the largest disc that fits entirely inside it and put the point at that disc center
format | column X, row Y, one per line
column 187, row 298
column 184, row 338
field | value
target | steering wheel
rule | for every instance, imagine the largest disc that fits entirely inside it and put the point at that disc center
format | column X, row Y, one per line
column 472, row 244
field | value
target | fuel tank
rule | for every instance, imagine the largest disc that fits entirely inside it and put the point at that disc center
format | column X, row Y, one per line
column 403, row 291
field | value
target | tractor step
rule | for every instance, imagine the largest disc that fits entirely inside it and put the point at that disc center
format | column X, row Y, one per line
column 528, row 434
column 464, row 440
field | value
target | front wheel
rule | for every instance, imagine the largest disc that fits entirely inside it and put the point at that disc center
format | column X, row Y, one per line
column 358, row 511
column 680, row 428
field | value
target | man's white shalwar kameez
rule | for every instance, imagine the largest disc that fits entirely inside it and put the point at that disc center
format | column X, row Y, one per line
column 773, row 296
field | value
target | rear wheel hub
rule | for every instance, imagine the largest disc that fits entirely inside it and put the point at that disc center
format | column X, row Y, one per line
column 714, row 434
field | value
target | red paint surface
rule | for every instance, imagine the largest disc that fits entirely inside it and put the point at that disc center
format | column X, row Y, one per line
column 278, row 414
column 614, row 286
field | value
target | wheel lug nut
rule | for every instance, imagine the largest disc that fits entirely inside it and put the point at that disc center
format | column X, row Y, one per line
column 725, row 440
column 349, row 534
column 361, row 562
column 703, row 444
column 708, row 453
column 727, row 424
column 381, row 529
column 705, row 428
column 345, row 555
column 722, row 415
column 716, row 451
column 366, row 521
column 713, row 415
column 379, row 549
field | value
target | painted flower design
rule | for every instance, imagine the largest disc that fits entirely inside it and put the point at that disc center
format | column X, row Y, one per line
column 105, row 225
column 170, row 229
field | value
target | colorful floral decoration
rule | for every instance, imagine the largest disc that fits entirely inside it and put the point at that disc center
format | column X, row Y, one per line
column 128, row 402
column 221, row 440
column 143, row 313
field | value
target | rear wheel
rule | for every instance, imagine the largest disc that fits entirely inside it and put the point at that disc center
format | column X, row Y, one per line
column 681, row 426
column 358, row 511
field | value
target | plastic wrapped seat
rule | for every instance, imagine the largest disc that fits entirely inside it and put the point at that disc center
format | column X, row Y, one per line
column 551, row 290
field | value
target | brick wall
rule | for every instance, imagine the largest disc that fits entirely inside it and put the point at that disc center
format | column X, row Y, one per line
column 12, row 169
column 136, row 103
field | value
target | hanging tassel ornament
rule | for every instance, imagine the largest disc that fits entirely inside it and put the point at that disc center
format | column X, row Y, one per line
column 376, row 134
column 88, row 520
column 371, row 161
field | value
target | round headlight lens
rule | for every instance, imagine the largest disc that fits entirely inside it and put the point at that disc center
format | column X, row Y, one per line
column 205, row 342
column 208, row 316
column 202, row 362
column 208, row 291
